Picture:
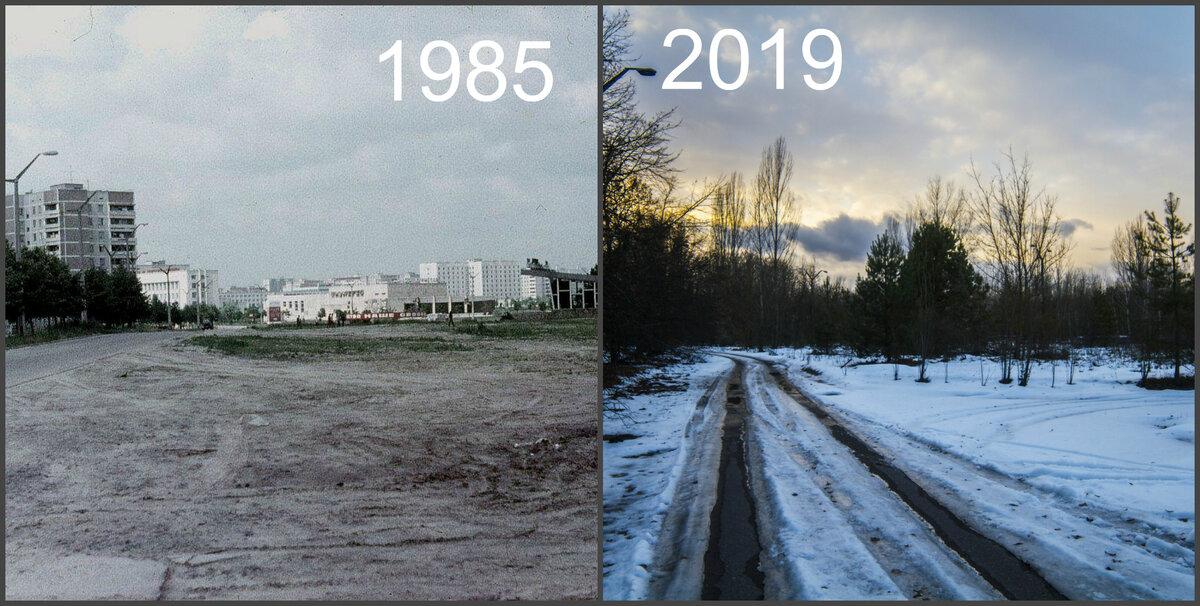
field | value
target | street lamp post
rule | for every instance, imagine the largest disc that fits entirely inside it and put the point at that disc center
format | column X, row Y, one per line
column 132, row 236
column 167, row 272
column 17, row 201
column 79, row 223
column 203, row 284
column 645, row 71
column 17, row 219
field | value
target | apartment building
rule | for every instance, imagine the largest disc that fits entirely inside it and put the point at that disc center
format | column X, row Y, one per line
column 476, row 278
column 85, row 228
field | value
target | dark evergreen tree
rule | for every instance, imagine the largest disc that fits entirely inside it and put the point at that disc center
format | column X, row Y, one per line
column 882, row 312
column 1172, row 280
column 944, row 290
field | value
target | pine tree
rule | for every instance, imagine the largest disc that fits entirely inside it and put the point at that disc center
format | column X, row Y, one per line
column 1172, row 280
column 882, row 310
column 945, row 292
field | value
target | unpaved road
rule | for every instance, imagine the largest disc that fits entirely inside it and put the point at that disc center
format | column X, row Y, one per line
column 859, row 538
column 168, row 471
column 25, row 364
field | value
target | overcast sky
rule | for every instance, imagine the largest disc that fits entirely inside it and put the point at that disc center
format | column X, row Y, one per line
column 265, row 142
column 1102, row 99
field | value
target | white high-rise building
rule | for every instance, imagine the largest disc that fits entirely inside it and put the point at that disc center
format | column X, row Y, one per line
column 84, row 228
column 179, row 284
column 476, row 278
column 535, row 287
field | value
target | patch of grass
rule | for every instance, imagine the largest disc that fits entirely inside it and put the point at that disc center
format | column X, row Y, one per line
column 285, row 347
column 290, row 326
column 568, row 329
column 58, row 333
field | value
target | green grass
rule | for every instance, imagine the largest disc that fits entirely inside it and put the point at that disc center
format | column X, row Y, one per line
column 570, row 329
column 285, row 326
column 58, row 333
column 285, row 347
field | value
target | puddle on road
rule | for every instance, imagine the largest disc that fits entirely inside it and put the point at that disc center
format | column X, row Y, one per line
column 613, row 438
column 731, row 562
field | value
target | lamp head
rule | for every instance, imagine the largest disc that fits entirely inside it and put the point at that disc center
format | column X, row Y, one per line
column 646, row 71
column 50, row 153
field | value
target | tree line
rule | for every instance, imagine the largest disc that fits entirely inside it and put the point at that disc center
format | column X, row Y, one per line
column 43, row 288
column 982, row 268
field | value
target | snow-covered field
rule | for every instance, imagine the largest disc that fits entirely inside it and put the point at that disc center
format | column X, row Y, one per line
column 1093, row 483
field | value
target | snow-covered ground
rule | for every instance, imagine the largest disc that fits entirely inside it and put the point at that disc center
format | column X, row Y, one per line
column 830, row 530
column 661, row 439
column 1092, row 483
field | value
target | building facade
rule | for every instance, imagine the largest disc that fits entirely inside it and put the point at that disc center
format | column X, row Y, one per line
column 179, row 284
column 242, row 297
column 476, row 278
column 314, row 304
column 84, row 228
column 535, row 287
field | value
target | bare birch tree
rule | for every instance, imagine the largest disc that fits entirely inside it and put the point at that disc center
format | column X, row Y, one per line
column 775, row 226
column 1021, row 244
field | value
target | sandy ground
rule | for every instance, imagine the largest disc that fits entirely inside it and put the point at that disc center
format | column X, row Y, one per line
column 172, row 472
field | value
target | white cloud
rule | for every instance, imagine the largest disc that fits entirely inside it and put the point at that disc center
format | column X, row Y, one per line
column 271, row 24
column 172, row 30
column 31, row 31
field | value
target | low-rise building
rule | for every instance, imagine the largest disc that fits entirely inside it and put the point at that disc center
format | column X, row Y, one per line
column 317, row 303
column 179, row 284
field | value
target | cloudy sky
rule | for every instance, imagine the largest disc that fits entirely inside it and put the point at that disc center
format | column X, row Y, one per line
column 1101, row 99
column 265, row 141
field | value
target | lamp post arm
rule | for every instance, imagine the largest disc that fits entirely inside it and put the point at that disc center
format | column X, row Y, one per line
column 22, row 173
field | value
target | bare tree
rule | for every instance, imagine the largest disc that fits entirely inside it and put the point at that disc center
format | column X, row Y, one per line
column 633, row 145
column 942, row 202
column 1022, row 244
column 1131, row 258
column 727, row 219
column 774, row 226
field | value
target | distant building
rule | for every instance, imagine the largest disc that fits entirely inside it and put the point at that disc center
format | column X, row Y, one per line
column 99, row 233
column 241, row 297
column 476, row 278
column 316, row 303
column 180, row 284
column 535, row 287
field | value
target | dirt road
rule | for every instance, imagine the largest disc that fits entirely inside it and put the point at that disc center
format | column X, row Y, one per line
column 377, row 462
column 805, row 510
